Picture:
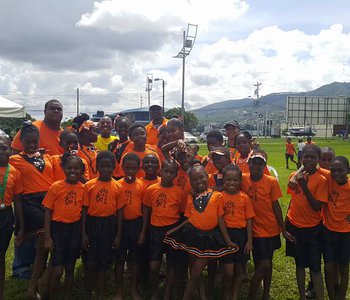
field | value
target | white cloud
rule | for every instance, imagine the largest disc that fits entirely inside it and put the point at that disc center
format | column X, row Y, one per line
column 107, row 48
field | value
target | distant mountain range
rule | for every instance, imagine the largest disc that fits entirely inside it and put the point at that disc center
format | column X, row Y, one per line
column 246, row 111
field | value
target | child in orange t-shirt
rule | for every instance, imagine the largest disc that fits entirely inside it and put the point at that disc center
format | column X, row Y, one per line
column 185, row 158
column 69, row 143
column 132, row 192
column 214, row 139
column 336, row 221
column 162, row 140
column 10, row 188
column 138, row 136
column 164, row 201
column 290, row 151
column 221, row 157
column 238, row 215
column 36, row 177
column 102, row 223
column 120, row 145
column 264, row 192
column 309, row 192
column 327, row 154
column 245, row 149
column 150, row 164
column 86, row 132
column 203, row 234
column 63, row 204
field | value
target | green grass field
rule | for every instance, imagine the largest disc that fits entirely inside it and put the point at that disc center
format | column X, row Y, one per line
column 283, row 282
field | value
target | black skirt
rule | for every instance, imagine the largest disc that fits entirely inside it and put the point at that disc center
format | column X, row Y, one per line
column 202, row 244
column 33, row 213
column 6, row 228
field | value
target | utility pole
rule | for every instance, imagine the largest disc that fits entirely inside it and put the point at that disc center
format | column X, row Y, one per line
column 77, row 101
column 141, row 100
column 256, row 92
column 183, row 81
column 266, row 105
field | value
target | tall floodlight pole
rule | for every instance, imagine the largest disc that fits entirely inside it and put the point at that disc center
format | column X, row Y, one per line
column 189, row 38
column 149, row 82
column 163, row 86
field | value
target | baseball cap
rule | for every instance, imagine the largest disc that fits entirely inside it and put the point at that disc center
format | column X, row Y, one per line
column 155, row 107
column 220, row 151
column 232, row 123
column 258, row 155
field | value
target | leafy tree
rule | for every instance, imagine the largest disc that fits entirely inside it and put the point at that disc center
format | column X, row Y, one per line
column 11, row 125
column 191, row 121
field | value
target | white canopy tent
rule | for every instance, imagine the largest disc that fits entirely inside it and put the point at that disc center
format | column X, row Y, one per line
column 10, row 109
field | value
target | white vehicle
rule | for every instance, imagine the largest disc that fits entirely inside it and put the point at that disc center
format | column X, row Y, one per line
column 189, row 138
column 203, row 135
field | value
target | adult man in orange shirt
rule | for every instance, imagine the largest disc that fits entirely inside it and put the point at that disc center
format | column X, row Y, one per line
column 157, row 121
column 49, row 129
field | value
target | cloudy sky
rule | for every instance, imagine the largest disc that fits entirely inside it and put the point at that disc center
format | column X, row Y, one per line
column 107, row 48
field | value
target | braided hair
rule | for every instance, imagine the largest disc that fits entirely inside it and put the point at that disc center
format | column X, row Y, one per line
column 27, row 128
column 69, row 156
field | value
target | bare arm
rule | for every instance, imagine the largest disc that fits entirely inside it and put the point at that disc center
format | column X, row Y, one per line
column 314, row 203
column 223, row 230
column 170, row 146
column 279, row 217
column 84, row 238
column 249, row 245
column 177, row 227
column 119, row 219
column 145, row 222
column 19, row 213
column 47, row 225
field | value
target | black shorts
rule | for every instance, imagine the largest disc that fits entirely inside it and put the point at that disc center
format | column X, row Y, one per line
column 101, row 232
column 240, row 237
column 336, row 246
column 130, row 238
column 307, row 249
column 290, row 156
column 66, row 243
column 156, row 245
column 6, row 228
column 263, row 248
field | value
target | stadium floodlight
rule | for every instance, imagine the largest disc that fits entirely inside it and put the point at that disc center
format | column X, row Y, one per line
column 189, row 38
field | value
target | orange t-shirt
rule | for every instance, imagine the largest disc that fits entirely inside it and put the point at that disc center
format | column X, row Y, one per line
column 90, row 156
column 160, row 155
column 209, row 168
column 326, row 173
column 152, row 132
column 166, row 204
column 132, row 195
column 238, row 208
column 148, row 183
column 199, row 157
column 32, row 179
column 183, row 181
column 233, row 151
column 65, row 200
column 300, row 212
column 337, row 208
column 102, row 198
column 141, row 155
column 263, row 193
column 13, row 186
column 58, row 172
column 49, row 139
column 208, row 219
column 119, row 150
column 290, row 149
